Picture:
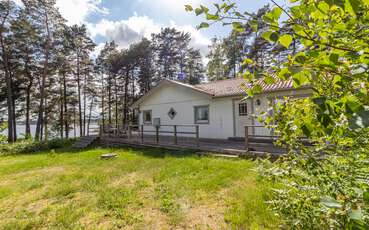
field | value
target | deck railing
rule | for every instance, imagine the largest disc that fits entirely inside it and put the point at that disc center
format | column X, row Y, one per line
column 157, row 131
column 272, row 137
column 175, row 131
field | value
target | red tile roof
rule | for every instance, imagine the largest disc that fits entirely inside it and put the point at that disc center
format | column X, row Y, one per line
column 238, row 86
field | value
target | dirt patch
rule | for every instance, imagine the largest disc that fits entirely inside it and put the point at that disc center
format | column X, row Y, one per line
column 204, row 216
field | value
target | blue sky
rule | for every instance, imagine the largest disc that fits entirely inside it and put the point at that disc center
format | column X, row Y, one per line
column 127, row 21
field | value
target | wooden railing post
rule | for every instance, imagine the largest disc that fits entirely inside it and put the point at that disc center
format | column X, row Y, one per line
column 142, row 133
column 129, row 132
column 175, row 135
column 157, row 133
column 101, row 130
column 197, row 135
column 247, row 138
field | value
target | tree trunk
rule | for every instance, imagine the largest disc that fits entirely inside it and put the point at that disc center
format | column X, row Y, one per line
column 116, row 101
column 74, row 122
column 79, row 98
column 14, row 120
column 125, row 108
column 28, row 108
column 61, row 122
column 103, row 102
column 109, row 99
column 9, row 86
column 84, row 104
column 46, row 132
column 66, row 119
column 40, row 119
column 89, row 116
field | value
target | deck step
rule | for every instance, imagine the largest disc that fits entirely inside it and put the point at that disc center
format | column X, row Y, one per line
column 85, row 142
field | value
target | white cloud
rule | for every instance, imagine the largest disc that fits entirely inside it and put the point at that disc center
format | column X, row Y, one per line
column 126, row 32
column 76, row 11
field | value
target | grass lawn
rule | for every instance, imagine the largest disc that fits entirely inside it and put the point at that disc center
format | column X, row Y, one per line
column 141, row 189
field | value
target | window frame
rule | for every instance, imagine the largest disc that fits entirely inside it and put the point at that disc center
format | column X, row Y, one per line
column 243, row 113
column 144, row 117
column 201, row 122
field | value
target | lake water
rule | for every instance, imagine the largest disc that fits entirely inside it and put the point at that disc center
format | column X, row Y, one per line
column 21, row 130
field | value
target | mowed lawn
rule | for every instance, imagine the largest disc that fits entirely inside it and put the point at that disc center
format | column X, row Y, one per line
column 141, row 189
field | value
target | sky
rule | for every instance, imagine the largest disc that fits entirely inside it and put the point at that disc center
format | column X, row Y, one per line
column 127, row 21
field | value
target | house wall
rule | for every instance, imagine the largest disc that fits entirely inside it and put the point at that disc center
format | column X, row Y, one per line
column 222, row 111
column 267, row 100
column 183, row 101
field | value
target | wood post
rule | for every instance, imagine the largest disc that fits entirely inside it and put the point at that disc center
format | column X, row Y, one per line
column 197, row 135
column 247, row 138
column 157, row 133
column 129, row 132
column 142, row 133
column 101, row 130
column 175, row 135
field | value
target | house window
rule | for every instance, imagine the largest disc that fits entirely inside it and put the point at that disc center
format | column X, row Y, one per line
column 202, row 114
column 147, row 116
column 242, row 108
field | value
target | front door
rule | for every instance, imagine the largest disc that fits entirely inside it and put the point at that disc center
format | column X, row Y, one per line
column 242, row 116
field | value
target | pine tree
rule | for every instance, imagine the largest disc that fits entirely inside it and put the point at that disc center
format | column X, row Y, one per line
column 82, row 46
column 7, row 14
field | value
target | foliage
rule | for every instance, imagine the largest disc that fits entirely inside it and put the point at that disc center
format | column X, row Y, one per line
column 324, row 185
column 31, row 146
column 3, row 127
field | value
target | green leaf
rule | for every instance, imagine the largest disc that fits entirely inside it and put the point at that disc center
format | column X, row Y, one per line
column 188, row 8
column 269, row 80
column 270, row 36
column 300, row 79
column 247, row 61
column 266, row 35
column 286, row 40
column 334, row 58
column 352, row 103
column 203, row 25
column 349, row 8
column 366, row 197
column 237, row 26
column 199, row 11
column 275, row 13
column 212, row 17
column 307, row 129
column 323, row 6
column 257, row 89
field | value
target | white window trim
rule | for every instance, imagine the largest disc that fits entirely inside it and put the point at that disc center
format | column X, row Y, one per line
column 143, row 117
column 204, row 122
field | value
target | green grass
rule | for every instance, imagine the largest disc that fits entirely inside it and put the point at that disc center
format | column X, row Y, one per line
column 141, row 189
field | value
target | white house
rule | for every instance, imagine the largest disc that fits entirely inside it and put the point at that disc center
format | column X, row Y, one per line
column 217, row 107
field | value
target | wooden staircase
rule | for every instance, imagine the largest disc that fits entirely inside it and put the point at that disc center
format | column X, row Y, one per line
column 85, row 142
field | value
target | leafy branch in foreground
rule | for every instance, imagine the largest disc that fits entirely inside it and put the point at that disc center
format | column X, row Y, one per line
column 323, row 185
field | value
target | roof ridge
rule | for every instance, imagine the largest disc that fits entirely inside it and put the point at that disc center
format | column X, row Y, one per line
column 211, row 82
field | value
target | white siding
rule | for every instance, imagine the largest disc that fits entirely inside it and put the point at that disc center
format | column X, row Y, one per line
column 183, row 101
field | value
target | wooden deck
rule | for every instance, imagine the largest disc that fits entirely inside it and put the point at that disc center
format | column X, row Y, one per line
column 257, row 147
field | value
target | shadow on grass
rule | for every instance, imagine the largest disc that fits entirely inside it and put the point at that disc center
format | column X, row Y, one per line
column 146, row 151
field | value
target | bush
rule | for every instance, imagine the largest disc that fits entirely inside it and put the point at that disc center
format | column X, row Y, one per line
column 31, row 146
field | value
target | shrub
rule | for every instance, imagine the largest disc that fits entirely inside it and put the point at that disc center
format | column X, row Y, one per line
column 324, row 185
column 31, row 146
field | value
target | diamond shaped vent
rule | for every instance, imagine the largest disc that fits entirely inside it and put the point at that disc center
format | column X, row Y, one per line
column 172, row 113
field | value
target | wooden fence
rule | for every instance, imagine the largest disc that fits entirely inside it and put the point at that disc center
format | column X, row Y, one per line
column 175, row 131
column 157, row 131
